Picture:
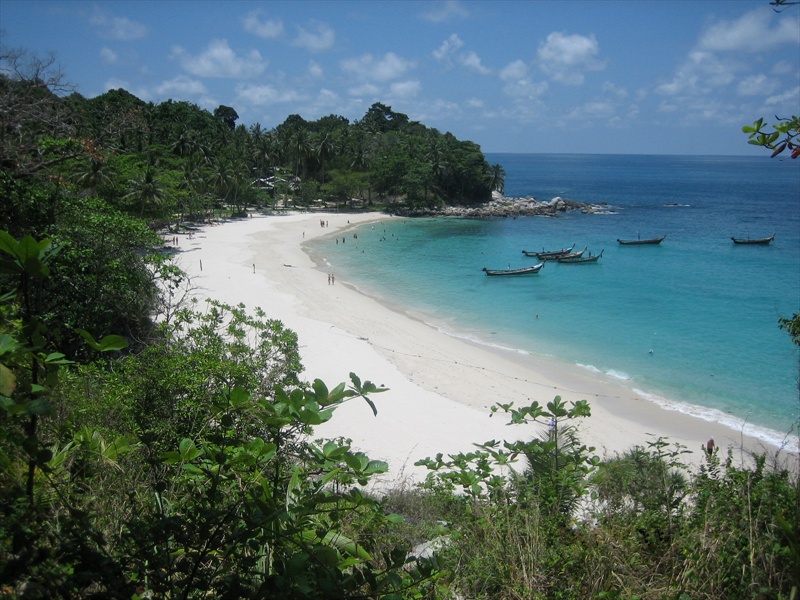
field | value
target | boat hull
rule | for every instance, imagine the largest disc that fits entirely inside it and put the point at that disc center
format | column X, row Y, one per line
column 755, row 242
column 511, row 272
column 650, row 242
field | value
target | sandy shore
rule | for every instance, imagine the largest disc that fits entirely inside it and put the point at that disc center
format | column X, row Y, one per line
column 440, row 387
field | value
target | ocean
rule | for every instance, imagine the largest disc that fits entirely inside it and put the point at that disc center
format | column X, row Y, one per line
column 691, row 324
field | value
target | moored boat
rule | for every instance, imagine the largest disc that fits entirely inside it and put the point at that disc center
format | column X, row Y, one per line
column 547, row 254
column 523, row 271
column 573, row 254
column 581, row 259
column 640, row 242
column 756, row 241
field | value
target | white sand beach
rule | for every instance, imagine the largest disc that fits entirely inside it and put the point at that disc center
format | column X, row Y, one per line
column 441, row 388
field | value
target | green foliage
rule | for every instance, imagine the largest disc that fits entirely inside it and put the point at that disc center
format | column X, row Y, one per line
column 234, row 499
column 104, row 278
column 785, row 135
column 792, row 326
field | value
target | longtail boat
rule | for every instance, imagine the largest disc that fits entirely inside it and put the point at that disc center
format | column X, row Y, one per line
column 547, row 254
column 761, row 241
column 573, row 254
column 581, row 259
column 640, row 242
column 523, row 271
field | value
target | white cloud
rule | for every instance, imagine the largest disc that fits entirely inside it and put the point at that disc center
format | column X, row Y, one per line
column 261, row 95
column 699, row 74
column 366, row 89
column 752, row 32
column 327, row 97
column 319, row 38
column 405, row 89
column 219, row 60
column 514, row 70
column 756, row 85
column 473, row 62
column 108, row 56
column 445, row 11
column 518, row 83
column 371, row 68
column 314, row 70
column 448, row 47
column 612, row 90
column 181, row 85
column 268, row 29
column 565, row 58
column 117, row 28
column 792, row 95
column 782, row 67
column 475, row 103
column 115, row 83
column 592, row 110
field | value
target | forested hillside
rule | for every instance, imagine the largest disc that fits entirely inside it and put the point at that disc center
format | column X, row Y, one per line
column 156, row 449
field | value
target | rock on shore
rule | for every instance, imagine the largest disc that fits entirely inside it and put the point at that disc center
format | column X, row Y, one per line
column 501, row 206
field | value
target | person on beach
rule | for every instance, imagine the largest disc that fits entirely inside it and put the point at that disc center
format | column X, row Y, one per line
column 710, row 447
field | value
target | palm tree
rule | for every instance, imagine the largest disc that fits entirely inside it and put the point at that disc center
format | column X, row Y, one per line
column 146, row 190
column 94, row 175
column 325, row 147
column 498, row 178
column 263, row 155
column 300, row 148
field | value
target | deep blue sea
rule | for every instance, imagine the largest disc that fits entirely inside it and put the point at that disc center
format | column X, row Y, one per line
column 691, row 323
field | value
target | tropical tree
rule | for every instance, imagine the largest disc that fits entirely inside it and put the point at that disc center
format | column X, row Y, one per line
column 498, row 182
column 146, row 191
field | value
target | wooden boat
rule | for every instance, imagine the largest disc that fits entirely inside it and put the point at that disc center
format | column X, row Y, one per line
column 573, row 254
column 581, row 259
column 547, row 254
column 640, row 242
column 761, row 241
column 523, row 271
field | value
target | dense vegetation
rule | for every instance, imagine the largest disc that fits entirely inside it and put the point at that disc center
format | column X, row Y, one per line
column 151, row 448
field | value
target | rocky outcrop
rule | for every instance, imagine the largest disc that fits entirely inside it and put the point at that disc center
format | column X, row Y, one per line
column 500, row 206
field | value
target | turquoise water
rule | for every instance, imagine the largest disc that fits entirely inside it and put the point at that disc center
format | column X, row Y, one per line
column 692, row 323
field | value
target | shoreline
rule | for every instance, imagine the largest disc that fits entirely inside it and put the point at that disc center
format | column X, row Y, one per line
column 441, row 385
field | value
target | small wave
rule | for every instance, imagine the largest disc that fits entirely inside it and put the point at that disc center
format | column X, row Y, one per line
column 474, row 339
column 714, row 415
column 611, row 372
column 618, row 375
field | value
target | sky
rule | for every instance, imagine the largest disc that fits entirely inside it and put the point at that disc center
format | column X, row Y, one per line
column 566, row 76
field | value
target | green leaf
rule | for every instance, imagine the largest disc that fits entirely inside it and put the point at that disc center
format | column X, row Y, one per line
column 356, row 381
column 107, row 344
column 8, row 244
column 111, row 343
column 57, row 358
column 292, row 487
column 8, row 344
column 8, row 381
column 39, row 406
column 395, row 518
column 371, row 405
column 171, row 457
column 189, row 451
column 320, row 389
column 327, row 556
column 239, row 396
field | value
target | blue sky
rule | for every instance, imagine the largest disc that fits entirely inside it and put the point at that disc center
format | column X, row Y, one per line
column 652, row 77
